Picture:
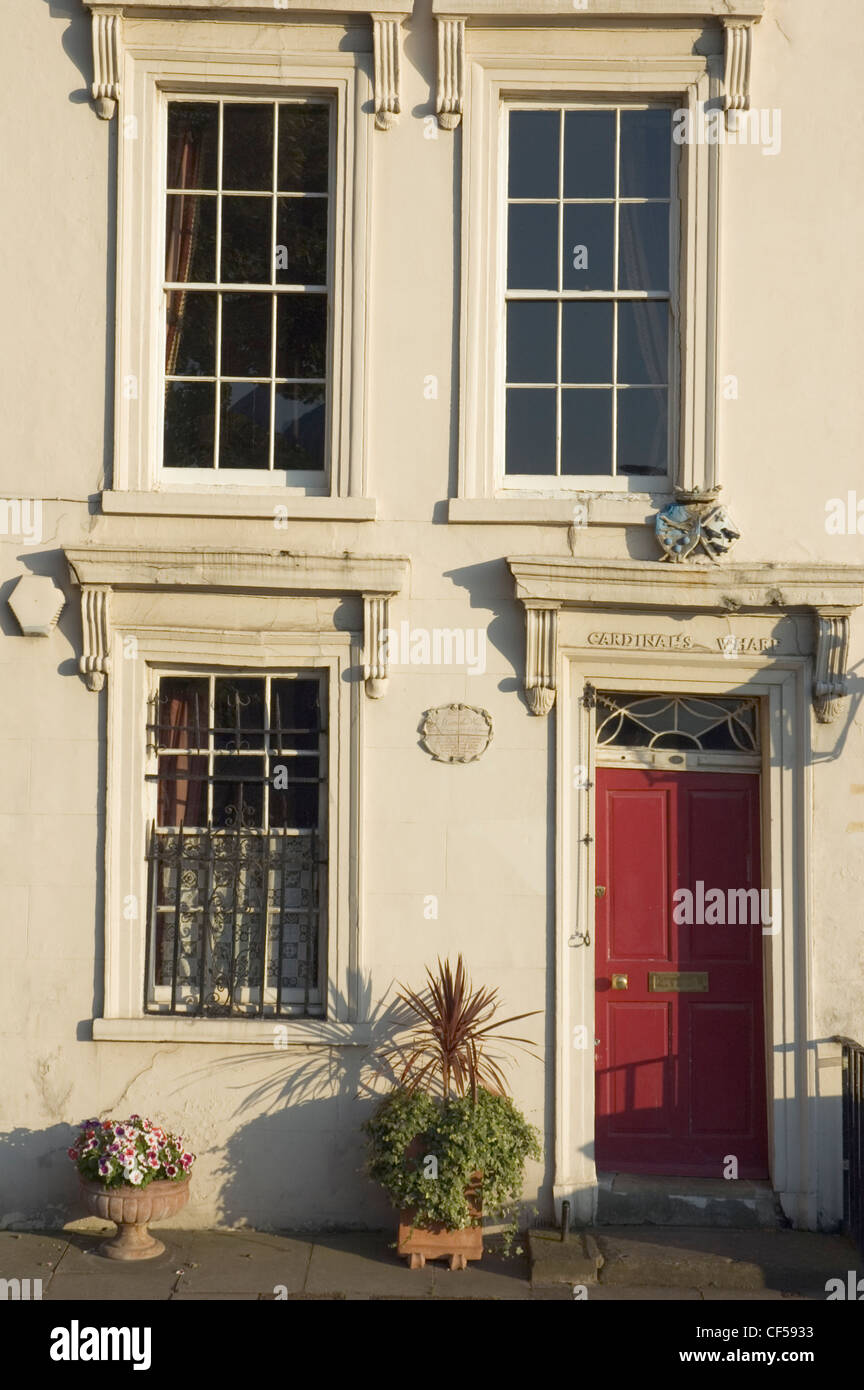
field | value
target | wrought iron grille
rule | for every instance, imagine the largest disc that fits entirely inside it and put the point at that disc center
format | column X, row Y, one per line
column 682, row 722
column 234, row 921
column 237, row 845
column 853, row 1140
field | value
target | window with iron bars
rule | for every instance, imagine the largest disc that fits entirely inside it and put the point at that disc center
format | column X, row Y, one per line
column 238, row 845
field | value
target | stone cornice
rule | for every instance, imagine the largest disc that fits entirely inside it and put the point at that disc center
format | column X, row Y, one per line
column 102, row 571
column 829, row 593
column 602, row 9
column 265, row 571
column 643, row 584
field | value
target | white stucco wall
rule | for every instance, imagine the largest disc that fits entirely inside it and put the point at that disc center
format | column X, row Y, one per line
column 277, row 1132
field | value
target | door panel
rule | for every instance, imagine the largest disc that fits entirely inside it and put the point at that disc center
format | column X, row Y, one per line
column 680, row 1075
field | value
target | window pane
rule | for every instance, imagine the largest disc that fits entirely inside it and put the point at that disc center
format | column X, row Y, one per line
column 246, row 334
column 589, row 154
column 643, row 342
column 534, row 159
column 244, row 427
column 238, row 792
column 295, row 713
column 301, row 415
column 301, row 241
column 247, row 146
column 190, row 334
column 301, row 335
column 586, row 351
column 532, row 342
column 646, row 151
column 532, row 247
column 182, row 712
column 588, row 246
column 531, row 429
column 586, row 432
column 304, row 139
column 238, row 712
column 642, row 432
column 246, row 240
column 189, row 424
column 190, row 239
column 294, row 793
column 193, row 143
column 644, row 247
column 182, row 796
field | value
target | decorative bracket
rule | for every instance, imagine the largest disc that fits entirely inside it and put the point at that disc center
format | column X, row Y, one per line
column 106, row 61
column 376, row 611
column 451, row 70
column 385, row 34
column 832, row 652
column 95, row 663
column 739, row 51
column 541, row 655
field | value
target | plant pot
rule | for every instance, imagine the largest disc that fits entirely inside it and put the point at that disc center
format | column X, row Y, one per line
column 420, row 1243
column 133, row 1208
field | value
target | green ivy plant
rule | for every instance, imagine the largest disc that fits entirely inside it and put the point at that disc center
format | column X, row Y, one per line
column 447, row 1134
column 465, row 1138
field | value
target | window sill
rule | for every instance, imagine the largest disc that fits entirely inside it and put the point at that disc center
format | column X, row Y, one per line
column 276, row 1033
column 625, row 509
column 213, row 502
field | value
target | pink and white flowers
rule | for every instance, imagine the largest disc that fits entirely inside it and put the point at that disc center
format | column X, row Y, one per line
column 133, row 1151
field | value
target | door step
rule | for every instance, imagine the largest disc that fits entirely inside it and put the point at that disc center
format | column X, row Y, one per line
column 630, row 1199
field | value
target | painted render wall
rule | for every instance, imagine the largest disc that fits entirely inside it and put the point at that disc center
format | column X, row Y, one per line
column 277, row 1132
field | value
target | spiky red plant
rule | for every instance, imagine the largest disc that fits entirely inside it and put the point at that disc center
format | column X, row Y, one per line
column 445, row 1049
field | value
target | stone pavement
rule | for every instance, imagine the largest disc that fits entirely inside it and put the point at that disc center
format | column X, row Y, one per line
column 214, row 1265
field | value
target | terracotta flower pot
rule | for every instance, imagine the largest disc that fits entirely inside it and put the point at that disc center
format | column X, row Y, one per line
column 421, row 1243
column 133, row 1208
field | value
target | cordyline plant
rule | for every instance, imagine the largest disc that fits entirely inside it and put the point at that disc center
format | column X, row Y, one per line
column 448, row 1035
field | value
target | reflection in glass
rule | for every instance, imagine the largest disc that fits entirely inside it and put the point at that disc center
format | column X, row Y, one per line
column 646, row 154
column 589, row 246
column 531, row 428
column 304, row 138
column 190, row 239
column 643, row 342
column 189, row 424
column 586, row 351
column 532, row 341
column 247, row 146
column 190, row 333
column 246, row 240
column 244, row 426
column 586, row 431
column 643, row 427
column 246, row 334
column 644, row 247
column 301, row 240
column 193, row 143
column 301, row 335
column 532, row 247
column 589, row 154
column 534, row 158
column 299, row 436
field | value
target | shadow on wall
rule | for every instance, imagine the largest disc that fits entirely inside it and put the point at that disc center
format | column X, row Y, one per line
column 39, row 1155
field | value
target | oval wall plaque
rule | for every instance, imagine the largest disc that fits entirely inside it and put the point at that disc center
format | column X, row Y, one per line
column 457, row 733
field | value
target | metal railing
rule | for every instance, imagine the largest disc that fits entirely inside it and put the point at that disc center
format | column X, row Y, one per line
column 853, row 1139
column 234, row 923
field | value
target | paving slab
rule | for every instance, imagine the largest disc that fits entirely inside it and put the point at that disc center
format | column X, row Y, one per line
column 494, row 1278
column 363, row 1263
column 222, row 1262
column 610, row 1294
column 795, row 1261
column 28, row 1255
column 576, row 1260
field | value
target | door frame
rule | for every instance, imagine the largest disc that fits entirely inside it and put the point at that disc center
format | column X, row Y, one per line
column 786, row 814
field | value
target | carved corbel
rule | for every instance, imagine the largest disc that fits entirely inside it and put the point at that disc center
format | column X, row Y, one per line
column 451, row 70
column 541, row 656
column 106, row 62
column 832, row 653
column 95, row 662
column 385, row 35
column 376, row 653
column 736, row 78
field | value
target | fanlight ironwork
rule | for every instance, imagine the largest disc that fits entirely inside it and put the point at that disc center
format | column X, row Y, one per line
column 685, row 723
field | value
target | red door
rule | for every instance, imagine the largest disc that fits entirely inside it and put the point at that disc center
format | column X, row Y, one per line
column 680, row 1071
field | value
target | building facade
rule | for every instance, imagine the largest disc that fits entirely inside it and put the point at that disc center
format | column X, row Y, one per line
column 437, row 532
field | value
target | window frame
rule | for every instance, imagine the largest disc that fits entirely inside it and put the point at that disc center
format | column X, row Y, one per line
column 510, row 484
column 497, row 82
column 149, row 80
column 288, row 1002
column 308, row 482
column 162, row 651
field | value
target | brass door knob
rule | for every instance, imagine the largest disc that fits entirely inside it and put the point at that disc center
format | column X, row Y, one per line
column 620, row 981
